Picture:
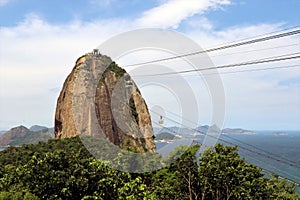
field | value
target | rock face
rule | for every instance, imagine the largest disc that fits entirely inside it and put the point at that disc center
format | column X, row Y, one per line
column 99, row 98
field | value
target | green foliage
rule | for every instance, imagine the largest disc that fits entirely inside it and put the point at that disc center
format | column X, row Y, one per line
column 64, row 169
column 135, row 189
column 224, row 175
column 165, row 136
column 182, row 175
column 17, row 196
column 21, row 155
column 114, row 68
column 281, row 189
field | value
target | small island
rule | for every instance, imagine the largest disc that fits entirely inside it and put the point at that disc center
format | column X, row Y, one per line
column 279, row 133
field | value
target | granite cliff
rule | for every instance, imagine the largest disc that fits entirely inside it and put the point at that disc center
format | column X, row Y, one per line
column 100, row 98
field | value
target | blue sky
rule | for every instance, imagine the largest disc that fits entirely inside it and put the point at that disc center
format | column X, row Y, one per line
column 57, row 12
column 257, row 11
column 33, row 33
column 239, row 12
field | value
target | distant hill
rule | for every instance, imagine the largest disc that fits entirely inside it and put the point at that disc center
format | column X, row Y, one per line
column 36, row 128
column 165, row 136
column 13, row 134
column 278, row 133
column 237, row 131
column 173, row 129
column 1, row 132
column 201, row 129
column 185, row 130
column 206, row 128
column 22, row 135
column 51, row 130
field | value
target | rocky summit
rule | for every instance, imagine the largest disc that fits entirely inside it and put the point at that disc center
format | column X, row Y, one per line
column 99, row 98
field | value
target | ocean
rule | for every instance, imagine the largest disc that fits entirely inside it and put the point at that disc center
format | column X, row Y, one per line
column 275, row 153
column 279, row 154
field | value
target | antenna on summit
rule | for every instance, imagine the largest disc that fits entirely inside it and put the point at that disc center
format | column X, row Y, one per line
column 96, row 52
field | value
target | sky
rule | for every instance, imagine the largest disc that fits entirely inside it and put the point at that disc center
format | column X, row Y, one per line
column 41, row 40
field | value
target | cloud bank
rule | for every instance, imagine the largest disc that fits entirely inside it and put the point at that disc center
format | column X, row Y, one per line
column 36, row 56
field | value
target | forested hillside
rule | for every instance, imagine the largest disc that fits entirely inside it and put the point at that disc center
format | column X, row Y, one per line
column 64, row 169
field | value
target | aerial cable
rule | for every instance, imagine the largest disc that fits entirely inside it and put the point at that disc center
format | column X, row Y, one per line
column 242, row 43
column 247, row 149
column 232, row 138
column 248, row 155
column 253, row 62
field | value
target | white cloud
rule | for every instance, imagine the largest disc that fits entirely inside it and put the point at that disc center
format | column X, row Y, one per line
column 36, row 56
column 172, row 12
column 200, row 23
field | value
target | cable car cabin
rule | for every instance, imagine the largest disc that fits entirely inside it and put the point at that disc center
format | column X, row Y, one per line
column 126, row 77
column 128, row 81
column 161, row 120
column 128, row 84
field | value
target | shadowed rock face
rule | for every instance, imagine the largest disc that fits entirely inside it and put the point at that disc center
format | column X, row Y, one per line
column 97, row 100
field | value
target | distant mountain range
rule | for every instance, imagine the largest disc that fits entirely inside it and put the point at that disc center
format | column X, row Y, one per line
column 36, row 128
column 165, row 136
column 1, row 132
column 237, row 131
column 200, row 130
column 22, row 135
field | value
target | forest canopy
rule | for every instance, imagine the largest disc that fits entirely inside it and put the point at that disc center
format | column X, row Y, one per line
column 64, row 169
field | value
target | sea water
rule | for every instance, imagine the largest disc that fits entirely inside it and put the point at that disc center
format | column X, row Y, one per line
column 275, row 153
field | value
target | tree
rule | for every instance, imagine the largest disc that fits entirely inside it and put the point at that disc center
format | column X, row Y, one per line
column 17, row 196
column 224, row 175
column 281, row 189
column 180, row 179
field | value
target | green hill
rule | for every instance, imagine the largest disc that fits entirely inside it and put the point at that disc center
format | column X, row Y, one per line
column 22, row 135
column 165, row 136
column 32, row 137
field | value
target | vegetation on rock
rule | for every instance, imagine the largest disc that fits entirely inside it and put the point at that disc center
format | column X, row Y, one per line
column 114, row 68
